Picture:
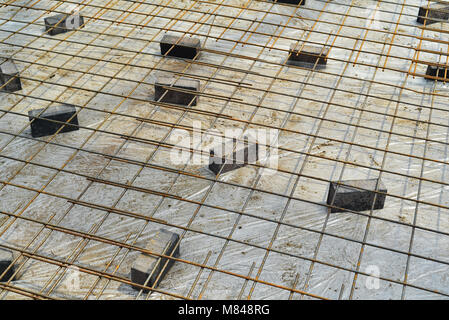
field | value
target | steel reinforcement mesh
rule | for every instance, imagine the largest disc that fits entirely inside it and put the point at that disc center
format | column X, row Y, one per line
column 77, row 208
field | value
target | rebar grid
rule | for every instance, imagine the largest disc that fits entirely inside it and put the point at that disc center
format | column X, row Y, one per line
column 246, row 234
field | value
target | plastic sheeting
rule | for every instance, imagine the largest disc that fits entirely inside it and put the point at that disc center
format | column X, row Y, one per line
column 297, row 242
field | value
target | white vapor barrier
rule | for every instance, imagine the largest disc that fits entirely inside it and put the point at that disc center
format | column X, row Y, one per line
column 350, row 121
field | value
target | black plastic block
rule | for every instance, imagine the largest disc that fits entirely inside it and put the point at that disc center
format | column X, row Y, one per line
column 435, row 13
column 9, row 72
column 181, row 47
column 175, row 93
column 442, row 72
column 308, row 55
column 303, row 2
column 6, row 259
column 348, row 197
column 240, row 158
column 61, row 23
column 41, row 126
column 150, row 266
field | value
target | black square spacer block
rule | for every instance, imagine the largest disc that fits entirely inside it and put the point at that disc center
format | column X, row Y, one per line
column 61, row 23
column 240, row 158
column 181, row 47
column 182, row 92
column 441, row 72
column 43, row 126
column 307, row 55
column 148, row 266
column 301, row 2
column 349, row 197
column 435, row 13
column 6, row 259
column 9, row 72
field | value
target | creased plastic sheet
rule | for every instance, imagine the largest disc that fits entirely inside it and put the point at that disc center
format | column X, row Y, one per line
column 322, row 264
